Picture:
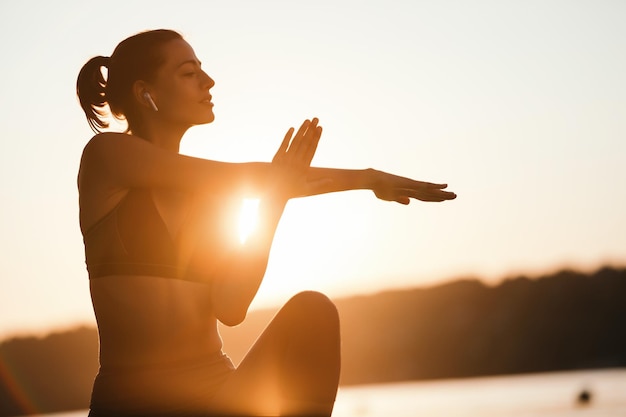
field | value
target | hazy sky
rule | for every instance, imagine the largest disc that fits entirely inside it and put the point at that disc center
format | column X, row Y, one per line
column 518, row 105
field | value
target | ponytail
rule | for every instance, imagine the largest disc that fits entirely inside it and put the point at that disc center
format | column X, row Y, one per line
column 135, row 58
column 91, row 92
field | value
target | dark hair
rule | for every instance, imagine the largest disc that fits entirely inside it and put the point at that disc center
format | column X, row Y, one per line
column 135, row 58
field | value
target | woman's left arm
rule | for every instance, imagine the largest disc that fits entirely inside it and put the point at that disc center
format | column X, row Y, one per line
column 236, row 272
column 385, row 186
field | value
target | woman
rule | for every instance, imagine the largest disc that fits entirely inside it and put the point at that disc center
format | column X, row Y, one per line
column 162, row 268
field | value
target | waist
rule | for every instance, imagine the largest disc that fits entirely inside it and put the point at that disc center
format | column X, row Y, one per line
column 167, row 387
column 99, row 270
column 210, row 361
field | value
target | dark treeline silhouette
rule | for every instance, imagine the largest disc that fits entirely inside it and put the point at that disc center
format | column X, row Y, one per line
column 564, row 321
column 48, row 374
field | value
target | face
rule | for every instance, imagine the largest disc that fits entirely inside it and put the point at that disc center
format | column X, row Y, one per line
column 181, row 89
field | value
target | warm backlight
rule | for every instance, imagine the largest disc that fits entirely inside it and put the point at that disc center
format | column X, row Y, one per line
column 248, row 218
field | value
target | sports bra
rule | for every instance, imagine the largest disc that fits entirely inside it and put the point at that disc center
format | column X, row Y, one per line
column 132, row 239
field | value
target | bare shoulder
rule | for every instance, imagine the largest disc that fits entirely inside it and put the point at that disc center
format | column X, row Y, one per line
column 108, row 150
column 107, row 140
column 92, row 152
column 98, row 190
column 99, row 158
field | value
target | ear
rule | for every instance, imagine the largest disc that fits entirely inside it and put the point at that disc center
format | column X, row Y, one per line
column 143, row 95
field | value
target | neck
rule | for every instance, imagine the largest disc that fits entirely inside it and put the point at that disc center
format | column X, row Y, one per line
column 163, row 135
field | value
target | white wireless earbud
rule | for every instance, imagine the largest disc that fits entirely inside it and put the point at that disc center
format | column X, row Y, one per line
column 148, row 98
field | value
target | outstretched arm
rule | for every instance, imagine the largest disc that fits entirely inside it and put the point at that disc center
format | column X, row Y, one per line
column 385, row 186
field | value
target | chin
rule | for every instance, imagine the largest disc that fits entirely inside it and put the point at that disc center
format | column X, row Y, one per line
column 206, row 119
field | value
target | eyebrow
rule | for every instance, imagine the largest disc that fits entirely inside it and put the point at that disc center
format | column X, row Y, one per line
column 190, row 61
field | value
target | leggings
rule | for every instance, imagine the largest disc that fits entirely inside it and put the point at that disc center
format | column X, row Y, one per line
column 293, row 367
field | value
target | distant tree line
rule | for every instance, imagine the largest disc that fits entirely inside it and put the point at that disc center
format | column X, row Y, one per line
column 564, row 321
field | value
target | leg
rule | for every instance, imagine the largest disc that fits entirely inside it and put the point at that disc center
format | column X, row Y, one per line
column 293, row 368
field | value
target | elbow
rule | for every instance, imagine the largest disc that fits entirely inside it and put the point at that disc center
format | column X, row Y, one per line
column 231, row 301
column 230, row 311
column 232, row 317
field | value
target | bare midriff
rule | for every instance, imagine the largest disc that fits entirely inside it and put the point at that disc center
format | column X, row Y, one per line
column 147, row 321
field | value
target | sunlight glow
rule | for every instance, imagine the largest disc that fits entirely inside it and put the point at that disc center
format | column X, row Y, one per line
column 248, row 217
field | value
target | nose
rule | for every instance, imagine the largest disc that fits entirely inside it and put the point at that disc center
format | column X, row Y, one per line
column 208, row 82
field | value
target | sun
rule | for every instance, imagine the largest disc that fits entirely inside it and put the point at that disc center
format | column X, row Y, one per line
column 248, row 218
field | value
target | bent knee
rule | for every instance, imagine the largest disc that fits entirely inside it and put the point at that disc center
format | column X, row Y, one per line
column 314, row 303
column 313, row 299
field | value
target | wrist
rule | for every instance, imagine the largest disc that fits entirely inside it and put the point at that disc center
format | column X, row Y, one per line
column 368, row 178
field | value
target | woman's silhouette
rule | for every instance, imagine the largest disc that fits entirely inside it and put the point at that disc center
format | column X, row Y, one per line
column 162, row 268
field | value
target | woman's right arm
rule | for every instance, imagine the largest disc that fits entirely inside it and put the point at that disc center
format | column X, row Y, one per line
column 237, row 272
column 126, row 161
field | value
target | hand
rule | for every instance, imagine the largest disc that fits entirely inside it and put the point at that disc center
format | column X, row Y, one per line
column 390, row 187
column 294, row 157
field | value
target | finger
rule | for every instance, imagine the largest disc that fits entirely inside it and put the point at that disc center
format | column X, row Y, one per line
column 436, row 197
column 403, row 200
column 311, row 147
column 423, row 184
column 303, row 146
column 284, row 145
column 302, row 151
column 408, row 183
column 426, row 199
column 429, row 196
column 425, row 187
column 297, row 139
column 439, row 186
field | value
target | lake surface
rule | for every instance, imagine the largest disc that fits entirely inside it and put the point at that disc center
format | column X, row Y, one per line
column 536, row 395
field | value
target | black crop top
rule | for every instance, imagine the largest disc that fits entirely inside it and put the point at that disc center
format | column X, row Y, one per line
column 132, row 239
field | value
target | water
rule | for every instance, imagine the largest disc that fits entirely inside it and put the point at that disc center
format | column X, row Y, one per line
column 536, row 395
